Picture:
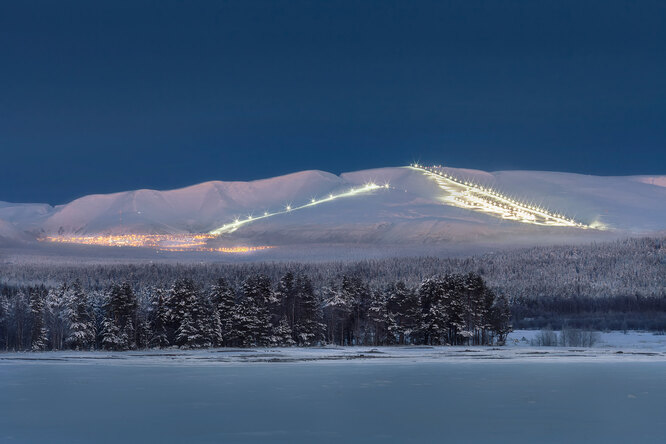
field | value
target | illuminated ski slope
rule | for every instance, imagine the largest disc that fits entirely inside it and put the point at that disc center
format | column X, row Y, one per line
column 468, row 195
column 237, row 223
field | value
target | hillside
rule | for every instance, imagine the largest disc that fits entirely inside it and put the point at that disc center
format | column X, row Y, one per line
column 379, row 206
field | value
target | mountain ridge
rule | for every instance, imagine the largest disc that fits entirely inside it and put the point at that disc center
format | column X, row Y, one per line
column 405, row 206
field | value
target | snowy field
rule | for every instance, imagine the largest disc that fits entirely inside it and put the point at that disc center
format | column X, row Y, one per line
column 612, row 392
column 610, row 347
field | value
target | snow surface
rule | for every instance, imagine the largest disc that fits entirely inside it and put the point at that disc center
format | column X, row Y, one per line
column 410, row 212
column 257, row 396
column 659, row 181
column 612, row 347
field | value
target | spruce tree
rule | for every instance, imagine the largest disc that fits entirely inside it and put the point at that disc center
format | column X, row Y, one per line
column 215, row 334
column 285, row 300
column 404, row 310
column 357, row 293
column 19, row 316
column 4, row 320
column 120, row 318
column 454, row 308
column 434, row 317
column 338, row 308
column 189, row 334
column 282, row 334
column 187, row 314
column 380, row 317
column 159, row 321
column 39, row 335
column 473, row 292
column 81, row 334
column 224, row 300
column 112, row 336
column 501, row 319
column 308, row 328
column 56, row 316
column 252, row 320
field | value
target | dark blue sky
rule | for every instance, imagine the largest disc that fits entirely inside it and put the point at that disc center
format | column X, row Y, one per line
column 107, row 96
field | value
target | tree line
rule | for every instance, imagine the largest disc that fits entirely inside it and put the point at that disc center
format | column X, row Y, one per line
column 452, row 309
column 627, row 268
column 630, row 312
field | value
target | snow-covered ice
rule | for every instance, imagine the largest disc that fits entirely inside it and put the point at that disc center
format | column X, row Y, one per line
column 519, row 401
column 611, row 347
column 518, row 393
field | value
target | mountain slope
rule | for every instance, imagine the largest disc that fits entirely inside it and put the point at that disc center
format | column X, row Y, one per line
column 413, row 209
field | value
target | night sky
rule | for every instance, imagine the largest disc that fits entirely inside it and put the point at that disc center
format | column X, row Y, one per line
column 107, row 96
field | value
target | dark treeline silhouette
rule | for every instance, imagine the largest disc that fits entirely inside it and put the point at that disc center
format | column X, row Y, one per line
column 633, row 312
column 452, row 309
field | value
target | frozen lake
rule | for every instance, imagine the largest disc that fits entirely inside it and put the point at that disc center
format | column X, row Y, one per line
column 107, row 399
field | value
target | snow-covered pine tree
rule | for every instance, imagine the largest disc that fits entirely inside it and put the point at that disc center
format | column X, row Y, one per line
column 380, row 318
column 4, row 320
column 246, row 323
column 454, row 308
column 500, row 318
column 338, row 309
column 473, row 294
column 308, row 328
column 39, row 334
column 144, row 334
column 223, row 298
column 487, row 334
column 404, row 310
column 284, row 300
column 120, row 317
column 19, row 317
column 189, row 334
column 433, row 326
column 159, row 321
column 112, row 336
column 356, row 292
column 214, row 332
column 211, row 326
column 282, row 335
column 252, row 321
column 81, row 329
column 187, row 314
column 56, row 316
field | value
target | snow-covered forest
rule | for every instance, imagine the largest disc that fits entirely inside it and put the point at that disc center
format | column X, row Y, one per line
column 453, row 309
column 613, row 286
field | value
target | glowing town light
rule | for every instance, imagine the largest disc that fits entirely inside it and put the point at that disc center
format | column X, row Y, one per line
column 160, row 242
column 367, row 188
column 466, row 194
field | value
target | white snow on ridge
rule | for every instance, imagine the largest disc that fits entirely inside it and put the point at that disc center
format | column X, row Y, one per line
column 190, row 209
column 412, row 210
column 659, row 181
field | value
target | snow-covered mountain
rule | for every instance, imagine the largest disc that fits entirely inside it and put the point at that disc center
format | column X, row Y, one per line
column 412, row 209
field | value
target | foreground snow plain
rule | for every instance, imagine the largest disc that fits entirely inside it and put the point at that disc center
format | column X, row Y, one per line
column 611, row 347
column 609, row 393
